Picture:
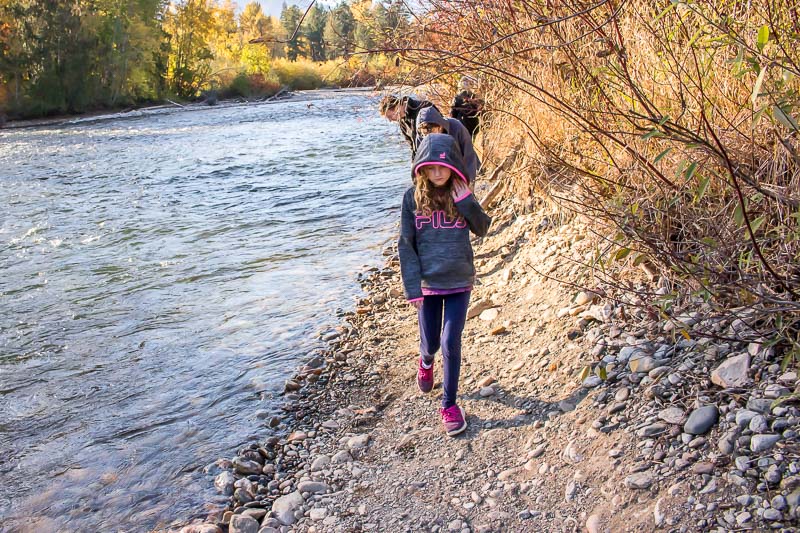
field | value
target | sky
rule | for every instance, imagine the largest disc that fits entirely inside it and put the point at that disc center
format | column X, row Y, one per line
column 273, row 7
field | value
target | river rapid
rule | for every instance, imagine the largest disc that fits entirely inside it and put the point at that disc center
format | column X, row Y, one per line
column 161, row 276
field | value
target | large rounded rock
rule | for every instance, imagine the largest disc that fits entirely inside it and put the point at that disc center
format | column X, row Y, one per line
column 246, row 467
column 224, row 483
column 285, row 506
column 701, row 420
column 243, row 524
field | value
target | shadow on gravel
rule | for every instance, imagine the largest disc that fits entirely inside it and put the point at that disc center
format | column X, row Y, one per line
column 535, row 409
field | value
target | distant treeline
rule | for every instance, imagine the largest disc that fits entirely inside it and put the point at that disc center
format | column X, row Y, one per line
column 72, row 56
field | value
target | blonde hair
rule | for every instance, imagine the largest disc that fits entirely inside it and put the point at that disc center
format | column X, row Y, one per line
column 430, row 198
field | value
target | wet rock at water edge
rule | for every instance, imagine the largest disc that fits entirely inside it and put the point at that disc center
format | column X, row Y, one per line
column 246, row 467
column 224, row 483
column 243, row 524
column 701, row 420
column 201, row 528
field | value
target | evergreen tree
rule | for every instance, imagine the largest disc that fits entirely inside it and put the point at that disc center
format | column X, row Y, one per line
column 314, row 32
column 339, row 31
column 290, row 19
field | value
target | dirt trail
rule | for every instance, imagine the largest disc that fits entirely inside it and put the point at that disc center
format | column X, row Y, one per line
column 682, row 435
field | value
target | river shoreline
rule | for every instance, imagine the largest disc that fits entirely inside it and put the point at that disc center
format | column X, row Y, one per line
column 680, row 434
column 173, row 107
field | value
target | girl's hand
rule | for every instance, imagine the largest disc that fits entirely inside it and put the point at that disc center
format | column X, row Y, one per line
column 459, row 189
column 417, row 304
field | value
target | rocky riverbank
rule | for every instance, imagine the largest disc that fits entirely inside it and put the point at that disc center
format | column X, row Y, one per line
column 669, row 431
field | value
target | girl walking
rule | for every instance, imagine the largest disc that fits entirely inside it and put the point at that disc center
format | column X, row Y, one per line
column 436, row 262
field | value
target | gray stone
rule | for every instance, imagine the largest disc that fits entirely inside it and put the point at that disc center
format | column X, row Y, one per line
column 313, row 487
column 701, row 420
column 775, row 391
column 639, row 480
column 320, row 463
column 651, row 430
column 246, row 467
column 591, row 382
column 743, row 417
column 779, row 502
column 285, row 506
column 358, row 442
column 243, row 524
column 672, row 415
column 759, row 405
column 342, row 457
column 224, row 483
column 485, row 392
column 758, row 424
column 733, row 372
column 772, row 515
column 762, row 443
column 642, row 364
column 318, row 514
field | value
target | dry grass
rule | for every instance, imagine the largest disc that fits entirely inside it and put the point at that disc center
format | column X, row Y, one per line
column 672, row 124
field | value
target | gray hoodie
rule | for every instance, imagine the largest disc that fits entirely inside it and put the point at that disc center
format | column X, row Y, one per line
column 435, row 251
column 456, row 129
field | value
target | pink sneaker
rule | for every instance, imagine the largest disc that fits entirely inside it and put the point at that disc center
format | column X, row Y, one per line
column 425, row 377
column 454, row 420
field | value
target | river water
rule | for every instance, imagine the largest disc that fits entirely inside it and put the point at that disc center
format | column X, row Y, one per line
column 160, row 277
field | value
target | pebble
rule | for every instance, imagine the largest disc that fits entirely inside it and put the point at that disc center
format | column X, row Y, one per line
column 320, row 463
column 313, row 487
column 593, row 524
column 672, row 415
column 772, row 515
column 733, row 372
column 317, row 514
column 642, row 364
column 640, row 480
column 245, row 466
column 485, row 392
column 701, row 420
column 358, row 442
column 622, row 394
column 342, row 457
column 651, row 430
column 758, row 424
column 762, row 443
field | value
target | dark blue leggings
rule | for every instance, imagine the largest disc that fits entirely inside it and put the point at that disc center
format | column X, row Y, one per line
column 433, row 335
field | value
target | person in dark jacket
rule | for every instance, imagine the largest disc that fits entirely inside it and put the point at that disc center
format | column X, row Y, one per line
column 404, row 111
column 436, row 262
column 429, row 120
column 467, row 107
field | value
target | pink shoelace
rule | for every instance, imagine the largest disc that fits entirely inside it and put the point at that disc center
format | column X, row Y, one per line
column 452, row 414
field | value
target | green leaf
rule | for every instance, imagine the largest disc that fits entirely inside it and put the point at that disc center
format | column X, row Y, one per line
column 601, row 371
column 757, row 223
column 763, row 37
column 701, row 189
column 661, row 156
column 652, row 133
column 738, row 215
column 784, row 118
column 584, row 373
column 641, row 258
column 690, row 171
column 663, row 13
column 758, row 84
column 622, row 253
